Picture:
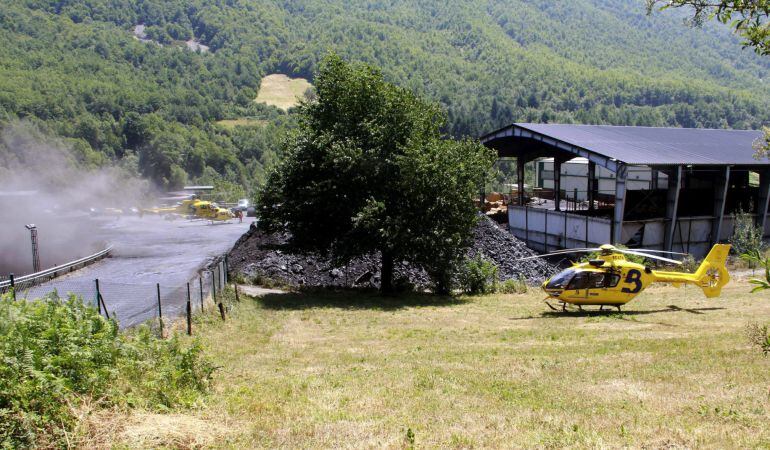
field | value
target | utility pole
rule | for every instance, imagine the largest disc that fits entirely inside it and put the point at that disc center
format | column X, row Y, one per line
column 35, row 253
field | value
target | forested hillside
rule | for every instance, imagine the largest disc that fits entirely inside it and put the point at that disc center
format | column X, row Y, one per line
column 75, row 68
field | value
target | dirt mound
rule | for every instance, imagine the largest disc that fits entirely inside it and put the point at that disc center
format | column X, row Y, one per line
column 261, row 256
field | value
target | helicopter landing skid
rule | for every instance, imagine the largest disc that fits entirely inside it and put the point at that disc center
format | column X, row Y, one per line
column 579, row 307
column 563, row 307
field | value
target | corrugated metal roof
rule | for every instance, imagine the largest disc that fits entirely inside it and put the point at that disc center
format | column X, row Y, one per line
column 649, row 145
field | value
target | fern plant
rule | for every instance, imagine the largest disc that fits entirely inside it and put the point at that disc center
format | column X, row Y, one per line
column 57, row 353
column 755, row 257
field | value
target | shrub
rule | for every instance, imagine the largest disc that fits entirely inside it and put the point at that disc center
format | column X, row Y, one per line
column 746, row 234
column 689, row 264
column 57, row 353
column 759, row 337
column 513, row 286
column 478, row 276
column 161, row 374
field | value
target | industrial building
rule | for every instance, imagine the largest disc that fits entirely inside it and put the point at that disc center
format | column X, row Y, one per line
column 675, row 189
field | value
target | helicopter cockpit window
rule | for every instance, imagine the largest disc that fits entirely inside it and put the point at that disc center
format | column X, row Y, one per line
column 560, row 280
column 598, row 280
column 581, row 280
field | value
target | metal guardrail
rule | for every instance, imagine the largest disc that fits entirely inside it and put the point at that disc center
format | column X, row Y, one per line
column 53, row 272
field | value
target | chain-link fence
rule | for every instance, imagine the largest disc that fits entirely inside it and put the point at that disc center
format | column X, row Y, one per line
column 135, row 302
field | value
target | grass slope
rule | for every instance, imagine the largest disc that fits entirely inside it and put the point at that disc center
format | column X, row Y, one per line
column 281, row 91
column 240, row 122
column 353, row 370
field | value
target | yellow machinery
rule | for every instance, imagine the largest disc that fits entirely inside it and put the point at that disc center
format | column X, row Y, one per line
column 195, row 208
column 611, row 280
column 211, row 211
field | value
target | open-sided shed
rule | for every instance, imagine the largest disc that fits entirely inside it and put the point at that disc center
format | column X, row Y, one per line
column 708, row 177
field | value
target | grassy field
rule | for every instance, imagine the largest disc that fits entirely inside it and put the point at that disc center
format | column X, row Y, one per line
column 241, row 122
column 281, row 91
column 353, row 370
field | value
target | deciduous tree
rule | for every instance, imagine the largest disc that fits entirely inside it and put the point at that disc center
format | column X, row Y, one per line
column 369, row 171
column 749, row 18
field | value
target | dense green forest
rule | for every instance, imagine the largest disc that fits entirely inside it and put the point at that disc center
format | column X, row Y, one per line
column 74, row 68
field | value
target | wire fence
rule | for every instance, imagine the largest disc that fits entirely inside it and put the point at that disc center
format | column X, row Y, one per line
column 137, row 302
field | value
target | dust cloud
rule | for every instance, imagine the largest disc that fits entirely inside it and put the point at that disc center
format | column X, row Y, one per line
column 43, row 182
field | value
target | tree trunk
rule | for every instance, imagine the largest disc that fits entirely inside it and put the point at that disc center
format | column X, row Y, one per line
column 386, row 275
column 442, row 285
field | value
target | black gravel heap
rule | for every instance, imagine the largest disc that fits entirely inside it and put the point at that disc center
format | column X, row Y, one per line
column 257, row 255
column 506, row 250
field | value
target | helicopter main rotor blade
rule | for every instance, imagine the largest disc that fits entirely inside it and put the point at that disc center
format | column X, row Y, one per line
column 644, row 250
column 561, row 252
column 660, row 258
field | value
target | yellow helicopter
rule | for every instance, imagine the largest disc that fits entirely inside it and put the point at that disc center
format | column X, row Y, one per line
column 196, row 208
column 211, row 211
column 611, row 280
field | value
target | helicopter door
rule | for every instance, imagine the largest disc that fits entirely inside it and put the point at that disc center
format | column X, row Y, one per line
column 577, row 289
column 599, row 283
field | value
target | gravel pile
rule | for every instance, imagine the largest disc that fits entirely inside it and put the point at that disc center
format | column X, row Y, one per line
column 257, row 256
column 506, row 250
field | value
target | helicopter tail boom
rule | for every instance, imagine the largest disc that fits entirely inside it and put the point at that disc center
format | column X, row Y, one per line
column 711, row 275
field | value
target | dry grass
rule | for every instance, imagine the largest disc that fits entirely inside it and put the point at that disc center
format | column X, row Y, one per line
column 281, row 91
column 351, row 370
column 242, row 122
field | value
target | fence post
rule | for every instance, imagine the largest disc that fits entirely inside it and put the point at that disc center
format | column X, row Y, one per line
column 100, row 301
column 219, row 275
column 98, row 297
column 213, row 286
column 160, row 309
column 13, row 288
column 237, row 297
column 189, row 319
column 188, row 291
column 222, row 311
column 200, row 283
column 224, row 266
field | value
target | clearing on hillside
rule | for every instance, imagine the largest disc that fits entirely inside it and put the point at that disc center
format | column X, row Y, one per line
column 241, row 122
column 282, row 91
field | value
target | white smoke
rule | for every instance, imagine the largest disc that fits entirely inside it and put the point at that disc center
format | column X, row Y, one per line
column 42, row 182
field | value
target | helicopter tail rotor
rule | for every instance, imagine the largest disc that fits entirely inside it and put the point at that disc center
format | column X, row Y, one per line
column 712, row 273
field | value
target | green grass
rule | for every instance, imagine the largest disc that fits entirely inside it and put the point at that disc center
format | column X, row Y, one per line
column 281, row 91
column 355, row 370
column 240, row 122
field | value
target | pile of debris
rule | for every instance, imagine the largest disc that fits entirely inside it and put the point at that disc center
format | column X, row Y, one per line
column 506, row 250
column 261, row 257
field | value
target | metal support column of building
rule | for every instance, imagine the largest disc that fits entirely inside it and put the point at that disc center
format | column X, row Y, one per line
column 520, row 178
column 721, row 184
column 672, row 205
column 764, row 198
column 616, row 230
column 592, row 185
column 557, row 184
